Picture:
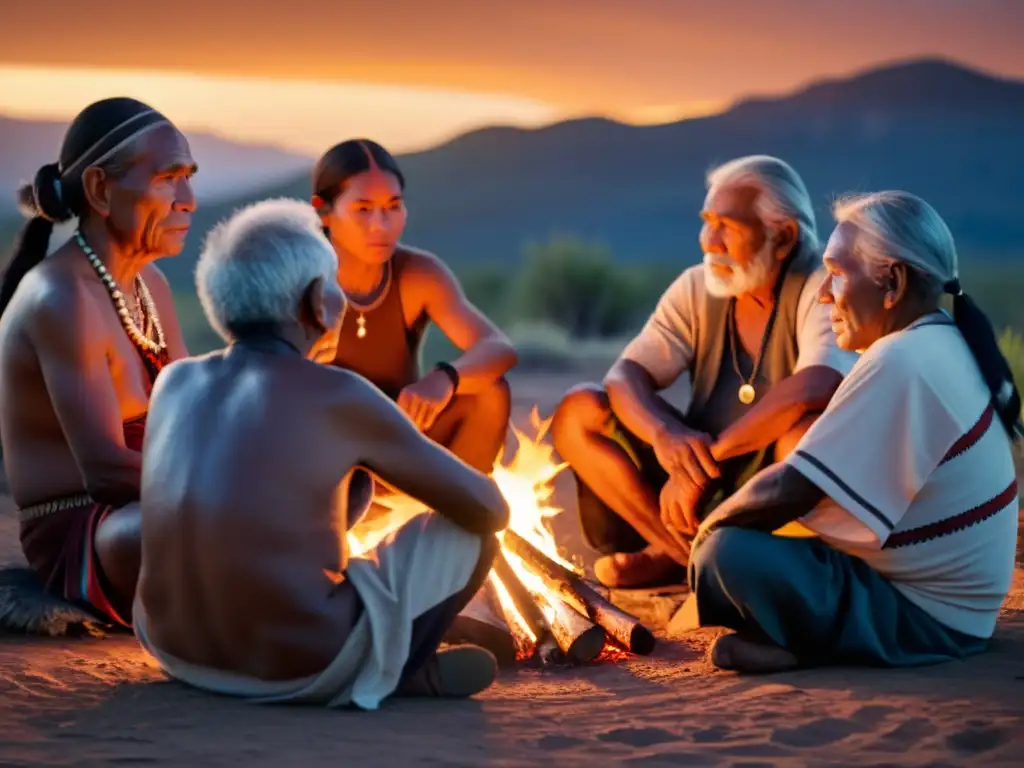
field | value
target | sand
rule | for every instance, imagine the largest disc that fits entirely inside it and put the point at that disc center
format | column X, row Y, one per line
column 86, row 702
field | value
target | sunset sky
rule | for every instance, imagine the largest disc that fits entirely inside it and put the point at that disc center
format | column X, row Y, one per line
column 411, row 73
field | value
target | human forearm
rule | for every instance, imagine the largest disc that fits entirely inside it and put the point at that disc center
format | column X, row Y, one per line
column 416, row 466
column 636, row 403
column 484, row 363
column 784, row 405
column 474, row 504
column 115, row 481
column 775, row 496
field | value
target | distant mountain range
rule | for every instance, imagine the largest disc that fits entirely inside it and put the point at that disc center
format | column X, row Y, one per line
column 227, row 168
column 950, row 134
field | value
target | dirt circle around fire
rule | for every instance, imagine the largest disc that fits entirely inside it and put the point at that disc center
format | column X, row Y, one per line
column 103, row 701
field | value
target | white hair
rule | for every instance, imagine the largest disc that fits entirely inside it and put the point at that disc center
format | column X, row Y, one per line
column 898, row 227
column 256, row 265
column 783, row 194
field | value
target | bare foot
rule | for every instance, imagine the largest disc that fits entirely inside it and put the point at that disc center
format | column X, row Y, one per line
column 631, row 570
column 742, row 655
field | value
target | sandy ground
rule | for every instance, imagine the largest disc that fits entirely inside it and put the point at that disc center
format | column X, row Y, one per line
column 101, row 702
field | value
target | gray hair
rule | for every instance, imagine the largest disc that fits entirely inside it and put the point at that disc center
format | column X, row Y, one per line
column 256, row 265
column 783, row 193
column 898, row 227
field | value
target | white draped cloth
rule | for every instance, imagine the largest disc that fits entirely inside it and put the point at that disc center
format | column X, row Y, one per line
column 417, row 567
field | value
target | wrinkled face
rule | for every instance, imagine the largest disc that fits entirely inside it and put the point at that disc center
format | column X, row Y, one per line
column 738, row 249
column 858, row 310
column 150, row 207
column 368, row 217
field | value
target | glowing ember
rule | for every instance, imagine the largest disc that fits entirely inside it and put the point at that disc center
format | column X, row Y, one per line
column 526, row 484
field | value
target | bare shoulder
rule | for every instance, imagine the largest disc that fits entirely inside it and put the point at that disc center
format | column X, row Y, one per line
column 190, row 366
column 425, row 281
column 57, row 294
column 343, row 385
column 355, row 399
column 420, row 265
column 183, row 371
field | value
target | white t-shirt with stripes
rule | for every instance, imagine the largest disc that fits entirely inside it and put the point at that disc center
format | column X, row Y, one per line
column 919, row 475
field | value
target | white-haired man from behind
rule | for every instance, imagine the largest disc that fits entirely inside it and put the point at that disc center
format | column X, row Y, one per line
column 253, row 473
column 746, row 328
column 907, row 478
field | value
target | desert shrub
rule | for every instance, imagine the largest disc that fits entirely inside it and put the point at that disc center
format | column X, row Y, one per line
column 487, row 285
column 546, row 346
column 1012, row 345
column 575, row 285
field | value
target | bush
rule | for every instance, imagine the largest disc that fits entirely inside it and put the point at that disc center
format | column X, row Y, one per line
column 575, row 285
column 487, row 286
column 544, row 346
column 1012, row 345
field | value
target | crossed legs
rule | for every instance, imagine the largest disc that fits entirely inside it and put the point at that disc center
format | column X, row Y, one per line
column 620, row 481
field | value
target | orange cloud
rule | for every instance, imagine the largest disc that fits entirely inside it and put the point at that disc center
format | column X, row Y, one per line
column 585, row 55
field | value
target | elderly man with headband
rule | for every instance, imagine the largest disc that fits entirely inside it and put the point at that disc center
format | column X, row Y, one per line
column 83, row 334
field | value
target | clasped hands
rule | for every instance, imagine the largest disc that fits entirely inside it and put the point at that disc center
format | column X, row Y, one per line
column 686, row 456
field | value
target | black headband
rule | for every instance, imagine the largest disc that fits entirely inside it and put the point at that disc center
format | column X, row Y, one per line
column 114, row 139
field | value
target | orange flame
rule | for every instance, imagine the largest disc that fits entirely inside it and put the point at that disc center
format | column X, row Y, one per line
column 526, row 484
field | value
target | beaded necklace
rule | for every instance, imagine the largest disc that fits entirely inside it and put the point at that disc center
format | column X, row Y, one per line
column 153, row 351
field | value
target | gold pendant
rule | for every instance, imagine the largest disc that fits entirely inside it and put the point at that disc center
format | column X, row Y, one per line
column 361, row 330
column 747, row 394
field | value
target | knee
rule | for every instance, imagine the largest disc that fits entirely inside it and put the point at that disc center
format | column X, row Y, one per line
column 498, row 399
column 118, row 546
column 583, row 408
column 492, row 404
column 786, row 444
column 727, row 559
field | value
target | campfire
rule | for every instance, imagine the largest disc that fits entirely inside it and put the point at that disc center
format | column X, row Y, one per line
column 549, row 612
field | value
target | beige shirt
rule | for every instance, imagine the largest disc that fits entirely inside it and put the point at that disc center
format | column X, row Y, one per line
column 665, row 346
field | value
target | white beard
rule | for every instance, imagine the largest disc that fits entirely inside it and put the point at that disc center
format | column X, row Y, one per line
column 742, row 279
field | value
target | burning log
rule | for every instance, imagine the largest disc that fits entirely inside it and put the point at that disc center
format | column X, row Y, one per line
column 567, row 631
column 521, row 597
column 549, row 653
column 523, row 643
column 624, row 628
column 578, row 638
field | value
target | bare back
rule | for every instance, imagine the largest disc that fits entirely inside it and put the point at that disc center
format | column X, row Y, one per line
column 69, row 379
column 243, row 525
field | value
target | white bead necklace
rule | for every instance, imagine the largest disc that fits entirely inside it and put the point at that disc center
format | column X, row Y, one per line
column 142, row 340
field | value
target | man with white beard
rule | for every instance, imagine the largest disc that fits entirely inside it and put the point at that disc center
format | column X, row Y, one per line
column 746, row 327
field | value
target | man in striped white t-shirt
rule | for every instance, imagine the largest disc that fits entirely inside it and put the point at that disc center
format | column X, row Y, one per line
column 907, row 477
